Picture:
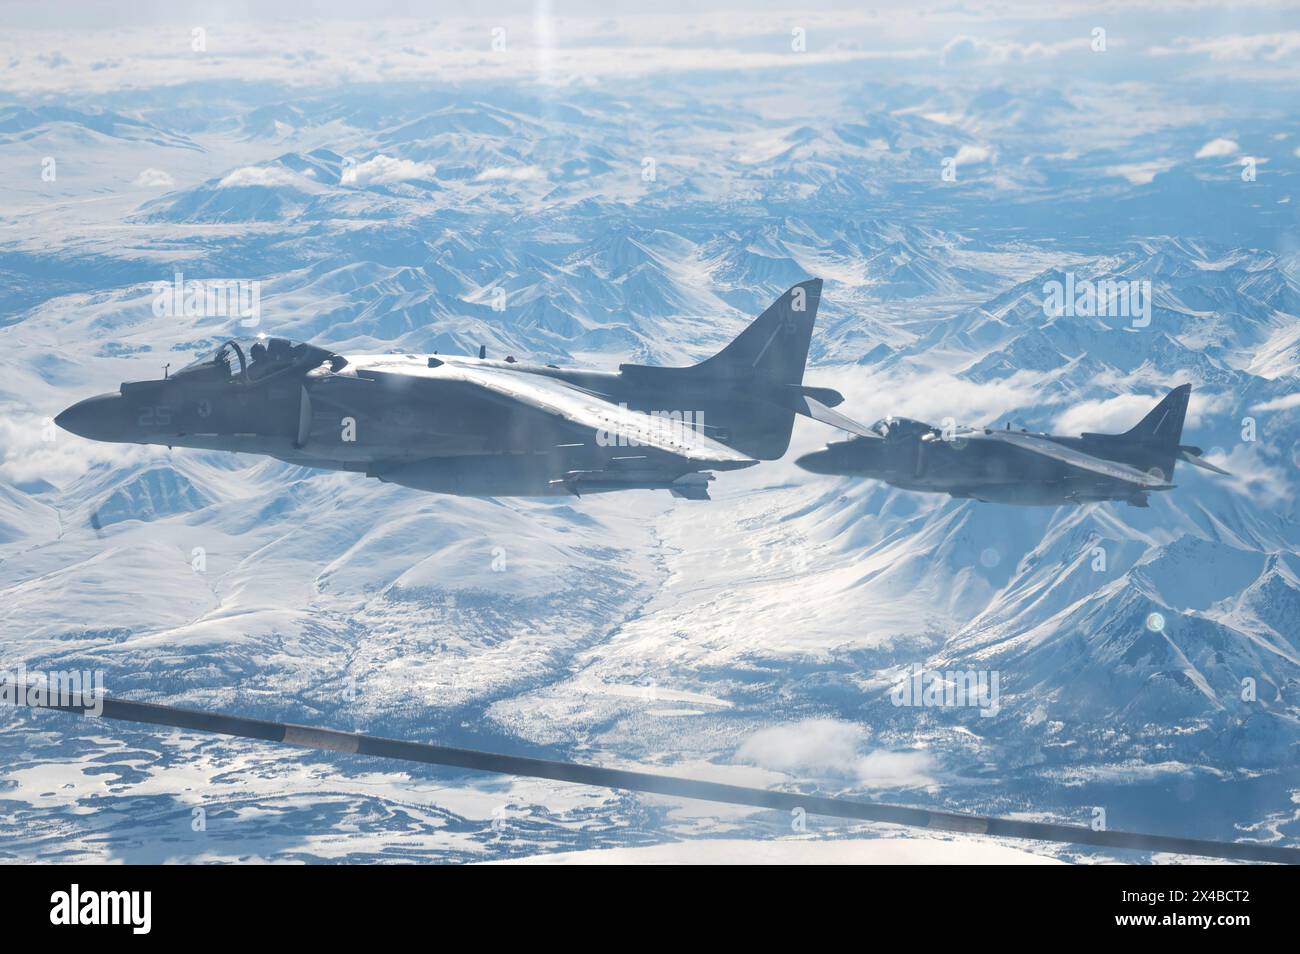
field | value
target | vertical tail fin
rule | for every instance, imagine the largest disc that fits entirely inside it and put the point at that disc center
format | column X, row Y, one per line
column 774, row 348
column 750, row 391
column 1164, row 425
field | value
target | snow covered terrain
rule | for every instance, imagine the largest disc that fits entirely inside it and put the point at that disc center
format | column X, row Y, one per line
column 602, row 189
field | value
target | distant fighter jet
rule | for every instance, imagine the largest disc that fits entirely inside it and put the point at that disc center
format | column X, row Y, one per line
column 1016, row 467
column 479, row 427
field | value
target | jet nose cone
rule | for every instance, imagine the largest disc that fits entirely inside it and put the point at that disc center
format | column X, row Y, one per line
column 100, row 418
column 818, row 462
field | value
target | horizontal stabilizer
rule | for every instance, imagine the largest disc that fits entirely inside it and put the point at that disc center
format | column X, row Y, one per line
column 801, row 401
column 1193, row 457
column 828, row 396
column 820, row 412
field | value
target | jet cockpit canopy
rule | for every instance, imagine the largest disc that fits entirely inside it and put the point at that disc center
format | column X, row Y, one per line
column 900, row 427
column 254, row 359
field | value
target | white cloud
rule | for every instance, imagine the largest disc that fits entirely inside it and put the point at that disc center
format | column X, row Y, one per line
column 1218, row 148
column 943, row 119
column 267, row 176
column 1254, row 476
column 517, row 174
column 1269, row 47
column 1284, row 403
column 828, row 747
column 962, row 50
column 969, row 155
column 1140, row 173
column 34, row 448
column 1109, row 416
column 386, row 170
column 973, row 51
column 1116, row 415
column 820, row 746
column 932, row 396
column 154, row 179
column 882, row 769
column 450, row 48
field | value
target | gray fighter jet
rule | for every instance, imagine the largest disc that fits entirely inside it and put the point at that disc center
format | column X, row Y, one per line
column 1016, row 467
column 480, row 427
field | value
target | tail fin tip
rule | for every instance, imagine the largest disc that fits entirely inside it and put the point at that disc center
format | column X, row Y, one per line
column 1164, row 423
column 775, row 344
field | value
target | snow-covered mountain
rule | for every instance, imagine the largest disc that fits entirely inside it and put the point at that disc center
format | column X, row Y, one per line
column 1148, row 661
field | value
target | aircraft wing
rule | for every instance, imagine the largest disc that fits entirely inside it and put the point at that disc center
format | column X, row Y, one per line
column 1036, row 444
column 614, row 447
column 624, row 427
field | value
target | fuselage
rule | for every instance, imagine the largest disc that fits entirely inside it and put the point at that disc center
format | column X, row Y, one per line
column 917, row 456
column 391, row 416
column 464, row 425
